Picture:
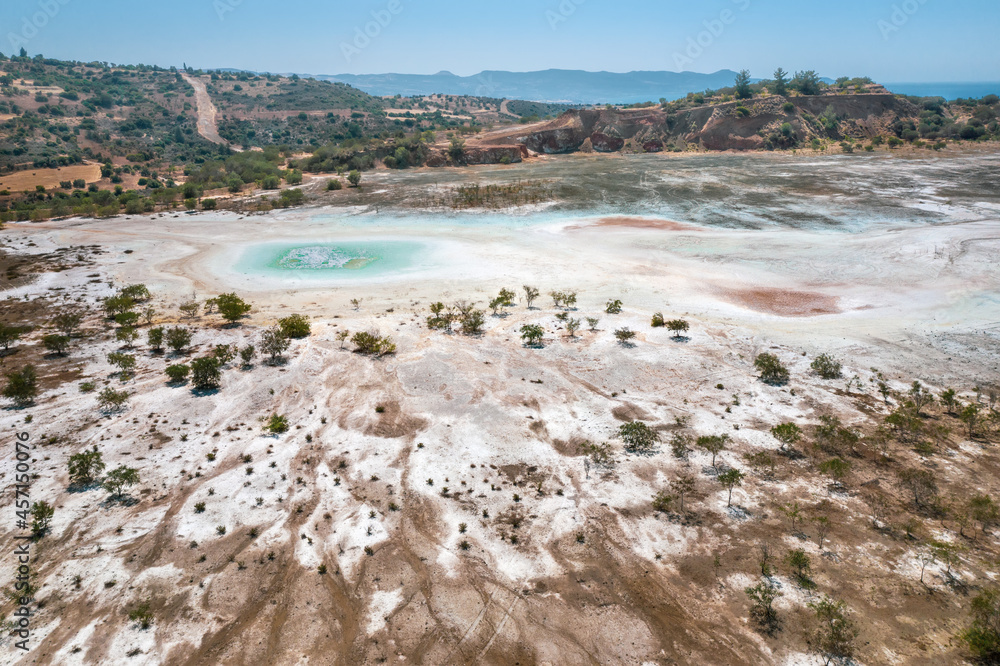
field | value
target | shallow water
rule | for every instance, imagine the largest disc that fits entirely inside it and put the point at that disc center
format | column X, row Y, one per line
column 342, row 260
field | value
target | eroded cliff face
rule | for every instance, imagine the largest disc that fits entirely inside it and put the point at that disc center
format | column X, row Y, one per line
column 745, row 125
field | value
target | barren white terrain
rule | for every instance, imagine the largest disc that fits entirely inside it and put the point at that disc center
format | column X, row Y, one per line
column 444, row 488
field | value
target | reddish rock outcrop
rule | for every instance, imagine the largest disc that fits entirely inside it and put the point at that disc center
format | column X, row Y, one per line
column 606, row 144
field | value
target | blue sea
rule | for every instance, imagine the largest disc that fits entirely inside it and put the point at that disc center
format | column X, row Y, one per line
column 950, row 91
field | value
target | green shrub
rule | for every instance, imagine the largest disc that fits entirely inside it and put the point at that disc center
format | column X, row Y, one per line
column 177, row 373
column 295, row 326
column 771, row 369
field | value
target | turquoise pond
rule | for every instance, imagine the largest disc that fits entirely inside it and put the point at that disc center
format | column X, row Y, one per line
column 323, row 261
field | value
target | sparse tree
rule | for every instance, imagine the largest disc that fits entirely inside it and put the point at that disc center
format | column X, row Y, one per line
column 613, row 307
column 826, row 366
column 657, row 321
column 742, row 84
column 878, row 507
column 21, row 386
column 56, row 343
column 771, row 369
column 983, row 635
column 983, row 510
column 823, row 527
column 920, row 396
column 110, row 400
column 762, row 597
column 124, row 362
column 730, row 479
column 835, row 636
column 638, row 437
column 920, row 482
column 684, row 486
column 119, row 479
column 530, row 295
column 532, row 334
column 663, row 501
column 678, row 327
column 572, row 326
column 592, row 323
column 786, row 433
column 799, row 562
column 177, row 373
column 950, row 400
column 504, row 300
column 68, row 323
column 970, row 417
column 206, row 373
column 85, row 467
column 780, row 82
column 714, row 444
column 190, row 309
column 247, row 355
column 356, row 303
column 295, row 326
column 41, row 516
column 178, row 338
column 680, row 445
column 342, row 337
column 128, row 335
column 625, row 335
column 155, row 337
column 274, row 343
column 232, row 307
column 9, row 335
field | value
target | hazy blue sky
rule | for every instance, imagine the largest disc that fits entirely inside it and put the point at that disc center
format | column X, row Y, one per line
column 891, row 40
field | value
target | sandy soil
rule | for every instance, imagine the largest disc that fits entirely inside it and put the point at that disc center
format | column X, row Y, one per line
column 387, row 459
column 49, row 178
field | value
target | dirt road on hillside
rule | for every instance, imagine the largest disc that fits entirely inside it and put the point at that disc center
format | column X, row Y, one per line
column 206, row 111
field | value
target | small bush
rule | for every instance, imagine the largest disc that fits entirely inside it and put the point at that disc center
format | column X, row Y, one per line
column 177, row 373
column 276, row 425
column 295, row 326
column 771, row 369
column 826, row 367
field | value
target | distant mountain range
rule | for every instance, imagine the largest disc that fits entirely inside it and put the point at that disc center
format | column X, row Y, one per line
column 551, row 85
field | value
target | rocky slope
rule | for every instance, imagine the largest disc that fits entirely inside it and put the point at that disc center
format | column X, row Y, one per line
column 735, row 125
